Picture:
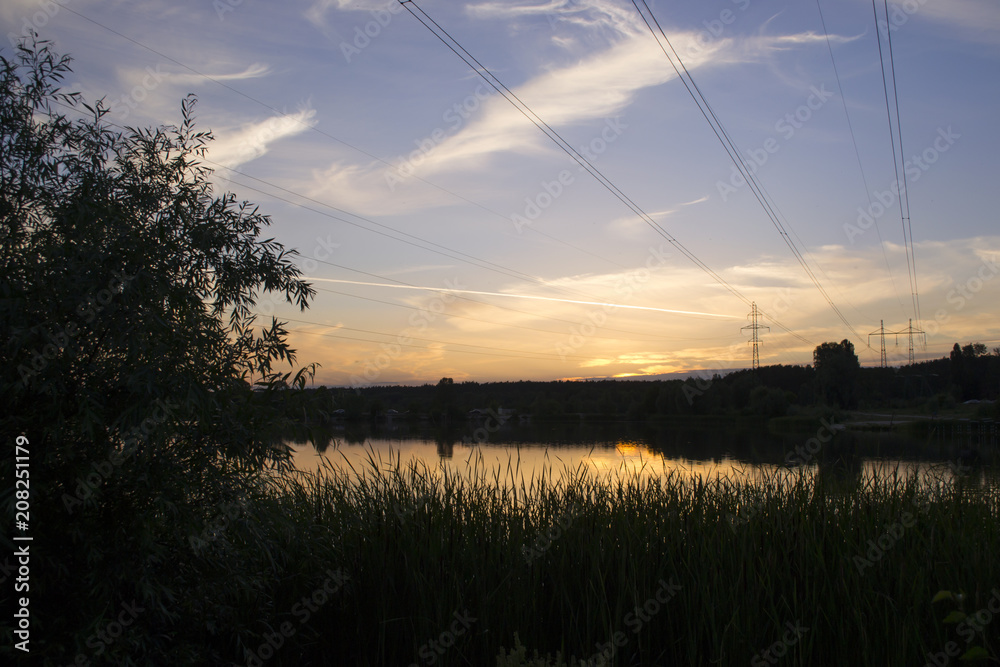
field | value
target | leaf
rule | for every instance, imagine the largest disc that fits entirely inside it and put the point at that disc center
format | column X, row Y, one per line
column 975, row 653
column 954, row 617
column 943, row 595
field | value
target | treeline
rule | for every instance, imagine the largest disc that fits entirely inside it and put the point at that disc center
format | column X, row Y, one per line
column 835, row 380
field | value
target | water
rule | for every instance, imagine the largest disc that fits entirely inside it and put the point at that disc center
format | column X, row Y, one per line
column 724, row 447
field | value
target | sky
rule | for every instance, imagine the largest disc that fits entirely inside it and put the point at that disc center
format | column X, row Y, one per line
column 448, row 235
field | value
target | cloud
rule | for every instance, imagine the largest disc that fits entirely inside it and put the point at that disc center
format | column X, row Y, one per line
column 318, row 11
column 24, row 14
column 977, row 19
column 632, row 226
column 808, row 37
column 960, row 284
column 251, row 141
column 591, row 91
column 254, row 71
column 588, row 14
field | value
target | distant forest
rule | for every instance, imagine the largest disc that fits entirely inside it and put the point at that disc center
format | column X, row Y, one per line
column 835, row 380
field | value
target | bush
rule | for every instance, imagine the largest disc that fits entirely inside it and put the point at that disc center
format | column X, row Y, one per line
column 129, row 353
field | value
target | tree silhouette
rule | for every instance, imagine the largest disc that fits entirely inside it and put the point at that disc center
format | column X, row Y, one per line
column 837, row 372
column 128, row 349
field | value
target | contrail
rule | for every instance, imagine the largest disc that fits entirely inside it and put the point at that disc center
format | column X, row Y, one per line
column 521, row 296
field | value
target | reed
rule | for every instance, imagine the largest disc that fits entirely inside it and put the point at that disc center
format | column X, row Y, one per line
column 633, row 568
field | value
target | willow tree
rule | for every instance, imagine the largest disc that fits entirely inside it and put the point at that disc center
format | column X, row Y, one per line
column 128, row 351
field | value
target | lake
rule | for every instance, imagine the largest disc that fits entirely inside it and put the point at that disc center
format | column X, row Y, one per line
column 723, row 446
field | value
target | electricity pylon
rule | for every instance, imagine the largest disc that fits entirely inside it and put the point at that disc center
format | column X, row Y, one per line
column 754, row 337
column 910, row 331
column 881, row 333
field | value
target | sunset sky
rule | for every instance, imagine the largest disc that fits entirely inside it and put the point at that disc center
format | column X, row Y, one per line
column 392, row 167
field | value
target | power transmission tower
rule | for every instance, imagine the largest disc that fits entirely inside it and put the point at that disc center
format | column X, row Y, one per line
column 754, row 337
column 881, row 334
column 910, row 331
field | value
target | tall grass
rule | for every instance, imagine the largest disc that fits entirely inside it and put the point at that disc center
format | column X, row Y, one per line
column 563, row 560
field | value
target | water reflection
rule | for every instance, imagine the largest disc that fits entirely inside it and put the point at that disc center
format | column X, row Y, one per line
column 731, row 450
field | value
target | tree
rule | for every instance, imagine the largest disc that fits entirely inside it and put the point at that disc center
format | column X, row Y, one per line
column 969, row 370
column 129, row 351
column 837, row 371
column 973, row 350
column 444, row 398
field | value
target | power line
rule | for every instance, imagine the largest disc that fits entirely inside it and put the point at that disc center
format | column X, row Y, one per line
column 857, row 153
column 904, row 204
column 444, row 250
column 312, row 128
column 378, row 159
column 491, row 79
column 908, row 232
column 296, row 204
column 720, row 132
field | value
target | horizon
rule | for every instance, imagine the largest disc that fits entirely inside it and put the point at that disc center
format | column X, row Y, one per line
column 448, row 237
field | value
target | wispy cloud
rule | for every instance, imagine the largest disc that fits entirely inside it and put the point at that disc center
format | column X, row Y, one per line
column 319, row 10
column 593, row 89
column 589, row 14
column 978, row 19
column 252, row 140
column 589, row 90
column 254, row 71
